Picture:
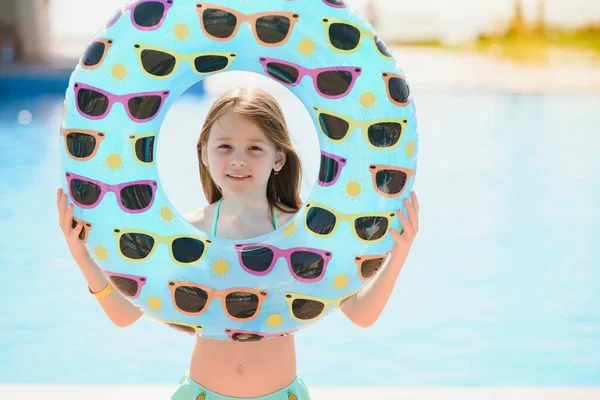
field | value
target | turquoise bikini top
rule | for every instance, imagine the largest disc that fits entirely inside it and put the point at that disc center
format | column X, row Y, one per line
column 214, row 226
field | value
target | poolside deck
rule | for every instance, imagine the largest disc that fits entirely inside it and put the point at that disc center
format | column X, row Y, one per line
column 160, row 392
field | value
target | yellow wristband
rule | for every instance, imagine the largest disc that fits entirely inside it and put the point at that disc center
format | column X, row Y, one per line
column 103, row 293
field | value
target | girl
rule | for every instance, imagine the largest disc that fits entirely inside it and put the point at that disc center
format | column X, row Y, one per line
column 251, row 175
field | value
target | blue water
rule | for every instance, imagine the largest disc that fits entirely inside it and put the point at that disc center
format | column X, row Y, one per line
column 502, row 286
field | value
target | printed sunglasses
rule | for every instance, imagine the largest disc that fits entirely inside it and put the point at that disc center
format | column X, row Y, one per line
column 380, row 134
column 83, row 144
column 132, row 197
column 306, row 264
column 367, row 227
column 329, row 82
column 95, row 53
column 336, row 3
column 250, row 336
column 85, row 232
column 333, row 3
column 129, row 285
column 331, row 169
column 142, row 145
column 146, row 15
column 240, row 304
column 369, row 265
column 308, row 308
column 388, row 180
column 162, row 63
column 95, row 103
column 190, row 329
column 397, row 89
column 137, row 245
column 345, row 37
column 270, row 29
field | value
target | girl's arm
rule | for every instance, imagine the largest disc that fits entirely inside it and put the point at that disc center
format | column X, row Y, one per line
column 120, row 310
column 115, row 305
column 364, row 308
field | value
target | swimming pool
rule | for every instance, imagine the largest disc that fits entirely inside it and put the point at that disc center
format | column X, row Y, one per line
column 502, row 286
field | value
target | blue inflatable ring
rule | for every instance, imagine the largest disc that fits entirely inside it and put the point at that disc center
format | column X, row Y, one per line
column 151, row 52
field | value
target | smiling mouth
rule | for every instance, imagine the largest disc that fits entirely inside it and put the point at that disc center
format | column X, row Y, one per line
column 239, row 177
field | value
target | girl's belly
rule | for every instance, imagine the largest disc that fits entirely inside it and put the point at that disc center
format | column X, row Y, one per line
column 244, row 369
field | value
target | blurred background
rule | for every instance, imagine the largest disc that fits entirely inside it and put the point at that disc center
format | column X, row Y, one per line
column 502, row 287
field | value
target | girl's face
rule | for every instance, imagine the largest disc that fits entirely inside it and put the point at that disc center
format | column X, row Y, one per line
column 239, row 156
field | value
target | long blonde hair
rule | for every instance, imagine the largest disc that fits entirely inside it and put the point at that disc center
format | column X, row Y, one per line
column 261, row 108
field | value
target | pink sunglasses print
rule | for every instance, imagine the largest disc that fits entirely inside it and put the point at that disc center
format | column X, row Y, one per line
column 331, row 168
column 133, row 197
column 333, row 3
column 251, row 336
column 305, row 264
column 95, row 103
column 129, row 285
column 146, row 15
column 336, row 3
column 329, row 82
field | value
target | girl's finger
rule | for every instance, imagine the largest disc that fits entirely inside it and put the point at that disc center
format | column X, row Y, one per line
column 410, row 217
column 398, row 237
column 413, row 214
column 77, row 230
column 63, row 204
column 68, row 221
column 58, row 195
column 58, row 198
column 61, row 210
column 415, row 201
column 408, row 231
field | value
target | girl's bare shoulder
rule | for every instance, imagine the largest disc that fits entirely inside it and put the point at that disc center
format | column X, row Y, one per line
column 201, row 218
column 284, row 216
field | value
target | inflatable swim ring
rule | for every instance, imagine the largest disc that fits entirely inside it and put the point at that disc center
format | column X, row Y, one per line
column 152, row 51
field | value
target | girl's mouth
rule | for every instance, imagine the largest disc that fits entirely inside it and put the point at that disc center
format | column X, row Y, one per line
column 239, row 177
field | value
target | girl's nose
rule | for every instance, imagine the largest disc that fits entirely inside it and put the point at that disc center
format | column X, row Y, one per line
column 238, row 158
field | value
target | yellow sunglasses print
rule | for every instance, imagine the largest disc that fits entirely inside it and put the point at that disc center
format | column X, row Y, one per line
column 142, row 146
column 345, row 37
column 308, row 308
column 323, row 221
column 161, row 63
column 138, row 245
column 380, row 134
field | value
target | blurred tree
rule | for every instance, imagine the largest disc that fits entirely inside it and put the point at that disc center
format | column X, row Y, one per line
column 540, row 26
column 517, row 27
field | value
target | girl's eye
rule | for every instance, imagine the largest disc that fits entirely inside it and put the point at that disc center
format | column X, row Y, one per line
column 256, row 148
column 223, row 146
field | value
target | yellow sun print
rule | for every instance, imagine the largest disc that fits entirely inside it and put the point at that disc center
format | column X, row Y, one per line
column 410, row 148
column 114, row 162
column 118, row 72
column 181, row 31
column 340, row 282
column 165, row 214
column 274, row 318
column 154, row 303
column 290, row 231
column 366, row 99
column 220, row 268
column 354, row 188
column 307, row 48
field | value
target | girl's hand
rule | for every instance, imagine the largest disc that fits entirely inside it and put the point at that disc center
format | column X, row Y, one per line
column 65, row 217
column 411, row 227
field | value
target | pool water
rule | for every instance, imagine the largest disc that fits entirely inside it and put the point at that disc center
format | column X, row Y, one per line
column 502, row 286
